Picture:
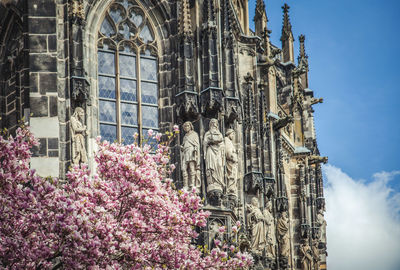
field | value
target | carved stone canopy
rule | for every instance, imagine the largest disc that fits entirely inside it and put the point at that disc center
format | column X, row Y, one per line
column 188, row 107
column 211, row 100
column 254, row 181
column 80, row 89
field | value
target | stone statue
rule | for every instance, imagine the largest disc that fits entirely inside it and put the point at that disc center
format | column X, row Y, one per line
column 78, row 133
column 315, row 253
column 214, row 156
column 321, row 223
column 306, row 256
column 269, row 220
column 231, row 163
column 190, row 158
column 257, row 226
column 283, row 234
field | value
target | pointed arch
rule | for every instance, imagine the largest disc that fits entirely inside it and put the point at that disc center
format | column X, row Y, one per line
column 128, row 40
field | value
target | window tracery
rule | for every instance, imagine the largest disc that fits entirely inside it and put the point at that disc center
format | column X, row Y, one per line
column 127, row 73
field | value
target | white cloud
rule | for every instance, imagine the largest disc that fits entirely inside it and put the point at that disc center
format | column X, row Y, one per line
column 363, row 230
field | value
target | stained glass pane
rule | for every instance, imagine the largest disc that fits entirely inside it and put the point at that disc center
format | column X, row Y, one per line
column 149, row 93
column 128, row 90
column 106, row 87
column 136, row 17
column 116, row 14
column 108, row 132
column 125, row 3
column 107, row 111
column 127, row 135
column 106, row 63
column 129, row 114
column 146, row 138
column 106, row 28
column 126, row 47
column 126, row 31
column 146, row 35
column 150, row 116
column 148, row 69
column 127, row 65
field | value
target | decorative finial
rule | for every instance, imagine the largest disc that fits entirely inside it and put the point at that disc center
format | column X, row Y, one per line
column 287, row 27
column 303, row 54
column 303, row 57
column 285, row 8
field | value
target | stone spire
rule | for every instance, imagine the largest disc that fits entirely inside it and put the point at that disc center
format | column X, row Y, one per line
column 303, row 62
column 260, row 18
column 287, row 36
column 303, row 57
column 185, row 25
column 287, row 26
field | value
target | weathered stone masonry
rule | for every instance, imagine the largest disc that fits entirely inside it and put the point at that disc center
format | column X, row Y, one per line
column 246, row 103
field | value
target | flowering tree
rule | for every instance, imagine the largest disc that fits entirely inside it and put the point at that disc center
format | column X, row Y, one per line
column 126, row 215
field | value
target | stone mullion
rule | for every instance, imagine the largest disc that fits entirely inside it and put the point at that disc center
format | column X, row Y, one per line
column 118, row 96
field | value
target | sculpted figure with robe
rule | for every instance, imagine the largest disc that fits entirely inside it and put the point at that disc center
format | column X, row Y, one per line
column 257, row 226
column 78, row 133
column 306, row 256
column 283, row 235
column 315, row 253
column 231, row 163
column 321, row 223
column 190, row 164
column 214, row 157
column 269, row 220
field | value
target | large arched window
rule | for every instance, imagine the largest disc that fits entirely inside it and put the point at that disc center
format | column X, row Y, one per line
column 127, row 73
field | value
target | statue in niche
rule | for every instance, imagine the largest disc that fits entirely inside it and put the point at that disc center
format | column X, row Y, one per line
column 257, row 227
column 321, row 223
column 269, row 219
column 214, row 156
column 78, row 133
column 283, row 234
column 190, row 158
column 315, row 253
column 231, row 163
column 306, row 256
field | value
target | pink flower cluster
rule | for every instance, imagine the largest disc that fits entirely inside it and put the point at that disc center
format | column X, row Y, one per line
column 126, row 215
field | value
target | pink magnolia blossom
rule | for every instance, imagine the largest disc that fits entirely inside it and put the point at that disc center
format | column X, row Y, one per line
column 127, row 214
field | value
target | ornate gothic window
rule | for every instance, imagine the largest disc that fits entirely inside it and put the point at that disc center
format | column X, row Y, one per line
column 127, row 73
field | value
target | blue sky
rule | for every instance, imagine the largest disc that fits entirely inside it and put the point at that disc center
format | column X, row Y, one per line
column 353, row 49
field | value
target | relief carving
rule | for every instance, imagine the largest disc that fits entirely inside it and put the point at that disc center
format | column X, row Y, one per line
column 190, row 164
column 214, row 157
column 231, row 163
column 78, row 133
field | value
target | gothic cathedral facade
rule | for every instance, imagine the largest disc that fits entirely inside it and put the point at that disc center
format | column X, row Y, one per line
column 78, row 69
